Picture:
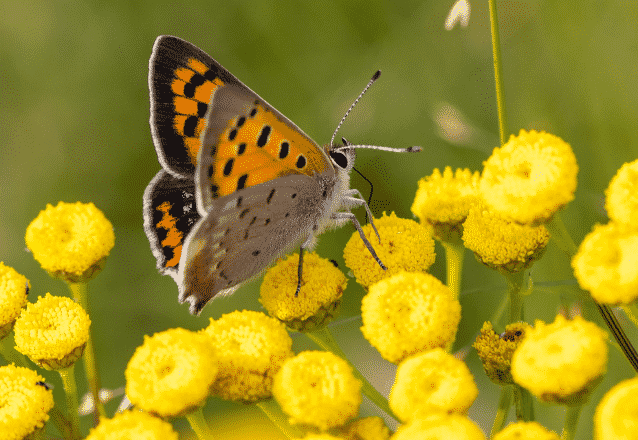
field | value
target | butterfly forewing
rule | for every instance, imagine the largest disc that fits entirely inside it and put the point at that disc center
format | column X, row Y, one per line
column 247, row 142
column 182, row 79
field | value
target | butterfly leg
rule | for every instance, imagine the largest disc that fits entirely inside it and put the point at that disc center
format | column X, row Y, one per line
column 309, row 243
column 299, row 270
column 350, row 216
column 352, row 202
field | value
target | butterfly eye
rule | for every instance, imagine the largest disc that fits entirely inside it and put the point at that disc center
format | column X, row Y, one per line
column 339, row 158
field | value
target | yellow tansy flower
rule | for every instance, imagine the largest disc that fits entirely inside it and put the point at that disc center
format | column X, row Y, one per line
column 616, row 416
column 368, row 428
column 171, row 374
column 434, row 381
column 440, row 427
column 409, row 313
column 71, row 240
column 530, row 177
column 443, row 201
column 251, row 347
column 605, row 264
column 527, row 431
column 561, row 362
column 13, row 297
column 621, row 196
column 318, row 301
column 496, row 351
column 52, row 332
column 317, row 388
column 24, row 402
column 133, row 425
column 405, row 245
column 501, row 244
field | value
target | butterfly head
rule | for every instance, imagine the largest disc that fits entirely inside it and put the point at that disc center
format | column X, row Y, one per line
column 342, row 158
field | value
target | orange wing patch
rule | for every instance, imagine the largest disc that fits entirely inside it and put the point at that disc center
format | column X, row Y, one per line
column 193, row 87
column 174, row 237
column 259, row 147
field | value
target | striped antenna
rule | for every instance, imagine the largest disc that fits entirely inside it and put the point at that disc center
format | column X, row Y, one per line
column 375, row 77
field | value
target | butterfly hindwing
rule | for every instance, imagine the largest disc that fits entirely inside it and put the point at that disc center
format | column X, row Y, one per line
column 246, row 231
column 169, row 215
column 182, row 80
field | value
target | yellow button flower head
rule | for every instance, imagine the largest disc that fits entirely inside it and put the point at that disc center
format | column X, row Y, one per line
column 501, row 244
column 443, row 201
column 561, row 362
column 13, row 297
column 251, row 347
column 530, row 177
column 317, row 388
column 405, row 245
column 52, row 332
column 434, row 381
column 318, row 301
column 527, row 431
column 133, row 425
column 367, row 428
column 71, row 240
column 495, row 351
column 409, row 313
column 616, row 416
column 171, row 374
column 24, row 402
column 440, row 427
column 621, row 196
column 605, row 264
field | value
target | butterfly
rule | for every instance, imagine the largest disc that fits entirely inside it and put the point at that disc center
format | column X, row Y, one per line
column 240, row 184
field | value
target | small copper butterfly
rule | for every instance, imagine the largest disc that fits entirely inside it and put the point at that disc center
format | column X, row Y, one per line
column 240, row 184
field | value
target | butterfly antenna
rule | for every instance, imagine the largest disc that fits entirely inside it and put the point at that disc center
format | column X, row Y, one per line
column 375, row 77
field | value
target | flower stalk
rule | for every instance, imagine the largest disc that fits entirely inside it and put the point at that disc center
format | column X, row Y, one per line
column 498, row 74
column 454, row 253
column 71, row 393
column 80, row 295
column 198, row 423
column 571, row 421
column 270, row 408
column 504, row 403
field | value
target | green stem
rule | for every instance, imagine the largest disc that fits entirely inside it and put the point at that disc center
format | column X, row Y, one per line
column 524, row 404
column 498, row 74
column 198, row 423
column 71, row 392
column 80, row 295
column 632, row 313
column 515, row 282
column 278, row 418
column 61, row 423
column 504, row 404
column 454, row 253
column 559, row 233
column 11, row 355
column 324, row 339
column 571, row 421
column 522, row 398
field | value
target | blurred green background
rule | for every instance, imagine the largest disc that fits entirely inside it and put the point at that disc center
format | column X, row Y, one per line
column 74, row 121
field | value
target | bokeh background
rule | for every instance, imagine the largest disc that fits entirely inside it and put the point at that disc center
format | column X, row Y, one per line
column 74, row 121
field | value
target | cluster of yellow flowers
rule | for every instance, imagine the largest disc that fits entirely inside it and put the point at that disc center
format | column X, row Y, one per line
column 409, row 316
